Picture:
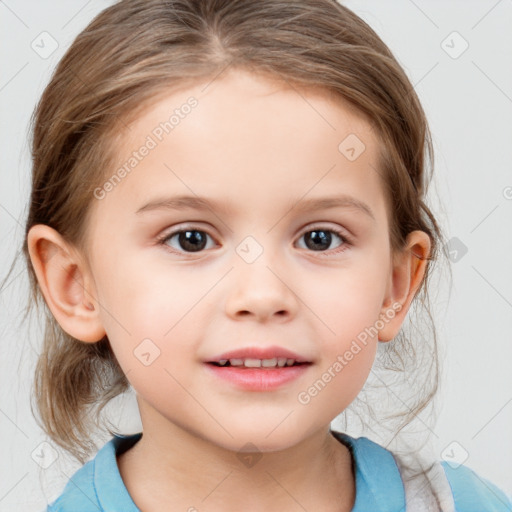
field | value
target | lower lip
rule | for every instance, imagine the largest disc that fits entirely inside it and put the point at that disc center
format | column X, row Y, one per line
column 258, row 379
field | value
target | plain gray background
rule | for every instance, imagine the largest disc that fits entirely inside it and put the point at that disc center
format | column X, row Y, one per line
column 467, row 95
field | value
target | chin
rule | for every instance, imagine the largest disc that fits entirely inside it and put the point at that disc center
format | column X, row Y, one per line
column 260, row 438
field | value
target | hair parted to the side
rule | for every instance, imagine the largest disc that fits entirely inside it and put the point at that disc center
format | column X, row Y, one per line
column 137, row 49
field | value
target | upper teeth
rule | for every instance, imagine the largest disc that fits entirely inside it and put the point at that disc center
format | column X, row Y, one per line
column 258, row 363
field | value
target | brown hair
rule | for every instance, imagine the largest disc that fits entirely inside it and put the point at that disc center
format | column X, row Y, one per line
column 137, row 49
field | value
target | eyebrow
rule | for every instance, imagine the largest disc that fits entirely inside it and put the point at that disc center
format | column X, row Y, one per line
column 203, row 204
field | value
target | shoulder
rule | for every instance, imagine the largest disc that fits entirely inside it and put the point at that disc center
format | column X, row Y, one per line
column 473, row 493
column 470, row 491
column 98, row 485
column 379, row 479
column 79, row 494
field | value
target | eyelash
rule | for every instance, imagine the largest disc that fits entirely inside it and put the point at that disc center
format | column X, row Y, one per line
column 346, row 240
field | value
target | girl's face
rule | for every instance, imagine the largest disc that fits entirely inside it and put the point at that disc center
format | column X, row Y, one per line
column 272, row 262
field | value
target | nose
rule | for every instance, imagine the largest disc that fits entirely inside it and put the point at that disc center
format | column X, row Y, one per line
column 260, row 291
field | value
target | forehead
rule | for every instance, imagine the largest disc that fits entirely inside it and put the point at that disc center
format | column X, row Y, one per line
column 253, row 134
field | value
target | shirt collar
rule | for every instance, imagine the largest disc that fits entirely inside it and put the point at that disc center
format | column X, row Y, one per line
column 379, row 485
column 111, row 491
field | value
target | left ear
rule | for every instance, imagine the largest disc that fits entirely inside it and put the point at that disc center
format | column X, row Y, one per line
column 409, row 266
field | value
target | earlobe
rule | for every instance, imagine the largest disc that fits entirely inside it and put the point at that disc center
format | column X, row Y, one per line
column 65, row 283
column 407, row 274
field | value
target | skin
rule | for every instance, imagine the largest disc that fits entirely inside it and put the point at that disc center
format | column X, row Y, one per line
column 257, row 146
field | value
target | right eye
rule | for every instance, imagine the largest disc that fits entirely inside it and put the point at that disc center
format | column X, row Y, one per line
column 185, row 240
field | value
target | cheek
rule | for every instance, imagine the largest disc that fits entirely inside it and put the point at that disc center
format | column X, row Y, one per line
column 153, row 317
column 348, row 347
column 348, row 300
column 347, row 305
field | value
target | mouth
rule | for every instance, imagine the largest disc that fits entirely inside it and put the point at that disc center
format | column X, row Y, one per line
column 258, row 374
column 264, row 364
column 257, row 357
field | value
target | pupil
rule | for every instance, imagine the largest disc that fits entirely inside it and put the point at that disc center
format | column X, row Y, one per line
column 320, row 239
column 192, row 240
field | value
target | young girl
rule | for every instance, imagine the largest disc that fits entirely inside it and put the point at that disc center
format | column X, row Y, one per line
column 227, row 215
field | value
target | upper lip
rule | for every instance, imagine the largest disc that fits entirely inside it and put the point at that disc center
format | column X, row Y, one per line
column 259, row 353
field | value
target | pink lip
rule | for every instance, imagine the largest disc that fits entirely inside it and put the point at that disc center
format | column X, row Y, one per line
column 260, row 353
column 258, row 379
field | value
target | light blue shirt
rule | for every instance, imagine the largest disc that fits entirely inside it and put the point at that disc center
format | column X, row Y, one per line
column 98, row 487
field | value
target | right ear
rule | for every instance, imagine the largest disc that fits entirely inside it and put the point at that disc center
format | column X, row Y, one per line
column 65, row 283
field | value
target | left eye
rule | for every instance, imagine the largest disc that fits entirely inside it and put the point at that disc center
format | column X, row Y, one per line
column 190, row 240
column 320, row 239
